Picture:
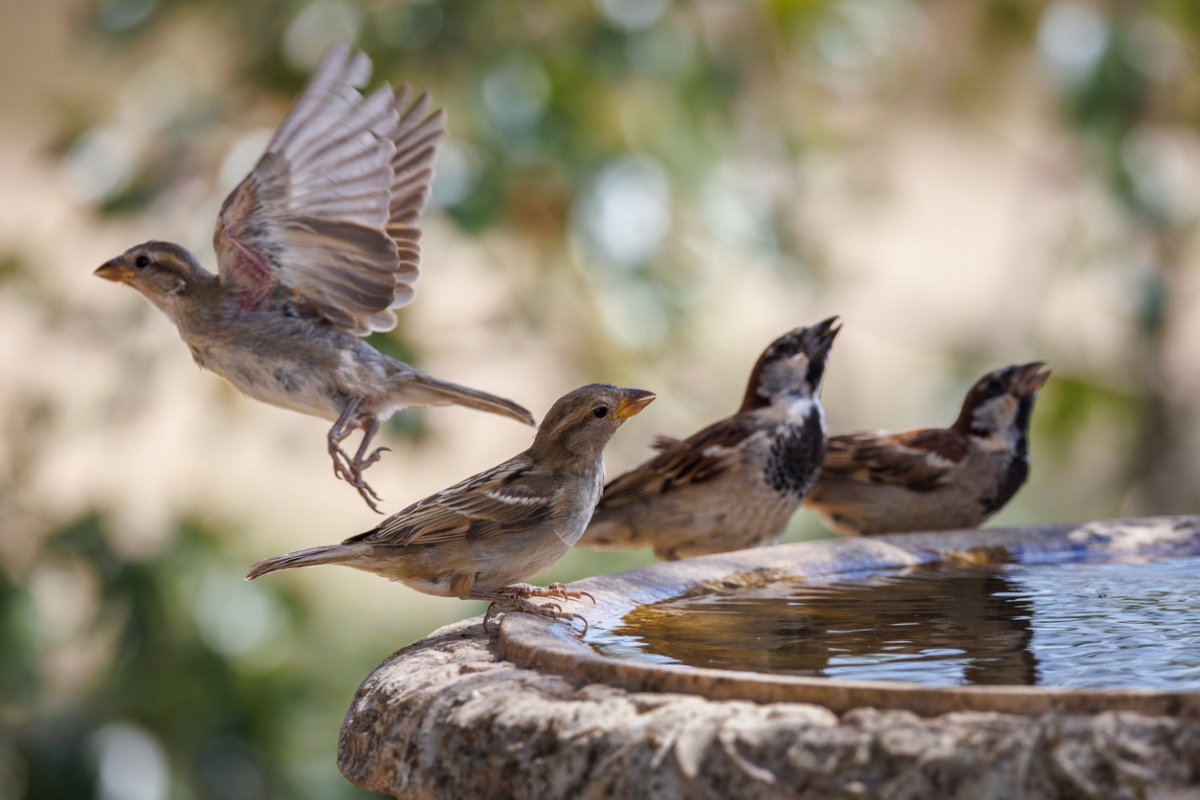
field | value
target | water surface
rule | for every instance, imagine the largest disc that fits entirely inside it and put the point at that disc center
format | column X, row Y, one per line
column 1069, row 621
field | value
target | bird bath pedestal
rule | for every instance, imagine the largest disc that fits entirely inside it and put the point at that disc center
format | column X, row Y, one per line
column 536, row 713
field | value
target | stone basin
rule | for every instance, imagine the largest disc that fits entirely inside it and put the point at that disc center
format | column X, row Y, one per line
column 536, row 712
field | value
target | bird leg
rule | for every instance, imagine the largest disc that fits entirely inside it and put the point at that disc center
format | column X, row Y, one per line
column 516, row 598
column 362, row 460
column 351, row 469
column 340, row 430
column 558, row 590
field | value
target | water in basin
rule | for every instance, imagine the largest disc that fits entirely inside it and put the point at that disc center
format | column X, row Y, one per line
column 1106, row 621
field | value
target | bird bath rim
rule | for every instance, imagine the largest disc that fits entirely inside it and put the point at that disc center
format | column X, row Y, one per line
column 546, row 646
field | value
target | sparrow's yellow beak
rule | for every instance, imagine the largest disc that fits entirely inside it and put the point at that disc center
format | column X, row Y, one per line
column 632, row 401
column 115, row 270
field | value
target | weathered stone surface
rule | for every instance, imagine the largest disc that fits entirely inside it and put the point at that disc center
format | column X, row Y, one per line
column 447, row 718
column 536, row 713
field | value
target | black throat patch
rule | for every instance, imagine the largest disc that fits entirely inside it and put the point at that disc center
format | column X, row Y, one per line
column 796, row 455
column 1015, row 474
column 1017, row 469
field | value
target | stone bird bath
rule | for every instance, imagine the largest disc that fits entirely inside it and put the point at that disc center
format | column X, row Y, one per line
column 535, row 712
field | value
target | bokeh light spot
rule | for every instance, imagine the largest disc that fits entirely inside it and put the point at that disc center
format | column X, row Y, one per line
column 626, row 212
column 515, row 92
column 99, row 165
column 316, row 28
column 1072, row 37
column 632, row 15
column 132, row 765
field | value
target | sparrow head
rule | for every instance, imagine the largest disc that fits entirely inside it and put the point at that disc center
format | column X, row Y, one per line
column 792, row 365
column 581, row 422
column 1002, row 400
column 162, row 271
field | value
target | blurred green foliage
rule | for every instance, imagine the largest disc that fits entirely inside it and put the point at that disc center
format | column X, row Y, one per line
column 181, row 678
column 547, row 101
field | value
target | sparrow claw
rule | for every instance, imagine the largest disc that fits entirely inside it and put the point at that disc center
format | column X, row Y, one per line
column 375, row 455
column 366, row 491
column 350, row 470
column 490, row 613
column 516, row 599
column 558, row 590
column 571, row 617
column 341, row 461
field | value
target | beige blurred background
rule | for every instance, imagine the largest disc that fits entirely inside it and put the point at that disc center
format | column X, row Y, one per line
column 637, row 191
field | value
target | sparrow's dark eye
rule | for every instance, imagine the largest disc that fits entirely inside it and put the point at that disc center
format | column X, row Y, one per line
column 141, row 262
column 600, row 412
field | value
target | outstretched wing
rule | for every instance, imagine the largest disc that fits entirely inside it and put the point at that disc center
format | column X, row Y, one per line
column 918, row 460
column 701, row 457
column 502, row 500
column 328, row 216
column 416, row 140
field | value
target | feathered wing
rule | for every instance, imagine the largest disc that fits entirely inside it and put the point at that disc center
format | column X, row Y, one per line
column 416, row 141
column 502, row 500
column 329, row 213
column 919, row 460
column 662, row 442
column 505, row 499
column 700, row 457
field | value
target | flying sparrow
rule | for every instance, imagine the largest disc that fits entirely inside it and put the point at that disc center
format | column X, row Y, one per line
column 482, row 537
column 315, row 247
column 933, row 478
column 735, row 483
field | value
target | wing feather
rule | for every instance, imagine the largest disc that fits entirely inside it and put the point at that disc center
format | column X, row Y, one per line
column 918, row 460
column 702, row 456
column 501, row 501
column 338, row 71
column 329, row 214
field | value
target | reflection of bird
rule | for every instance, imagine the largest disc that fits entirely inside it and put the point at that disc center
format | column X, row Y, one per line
column 933, row 478
column 314, row 248
column 735, row 483
column 481, row 537
column 928, row 623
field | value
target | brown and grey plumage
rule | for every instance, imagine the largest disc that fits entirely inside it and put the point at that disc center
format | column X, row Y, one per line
column 480, row 538
column 735, row 483
column 315, row 248
column 933, row 478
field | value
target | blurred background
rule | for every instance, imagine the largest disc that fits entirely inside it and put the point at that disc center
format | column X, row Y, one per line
column 637, row 191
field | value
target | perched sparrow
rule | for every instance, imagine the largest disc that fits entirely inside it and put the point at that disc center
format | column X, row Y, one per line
column 315, row 247
column 737, row 482
column 933, row 478
column 480, row 538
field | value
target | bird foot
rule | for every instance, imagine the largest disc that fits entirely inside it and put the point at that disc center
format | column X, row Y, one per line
column 351, row 471
column 516, row 598
column 558, row 590
column 376, row 454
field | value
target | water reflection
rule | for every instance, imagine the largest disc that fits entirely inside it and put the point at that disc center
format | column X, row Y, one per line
column 994, row 624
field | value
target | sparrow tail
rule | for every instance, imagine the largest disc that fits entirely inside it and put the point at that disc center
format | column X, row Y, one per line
column 328, row 554
column 426, row 390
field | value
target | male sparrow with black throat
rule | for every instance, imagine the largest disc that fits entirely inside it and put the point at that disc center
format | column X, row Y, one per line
column 735, row 483
column 933, row 478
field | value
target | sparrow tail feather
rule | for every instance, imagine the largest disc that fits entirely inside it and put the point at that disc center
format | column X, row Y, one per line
column 327, row 554
column 426, row 390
